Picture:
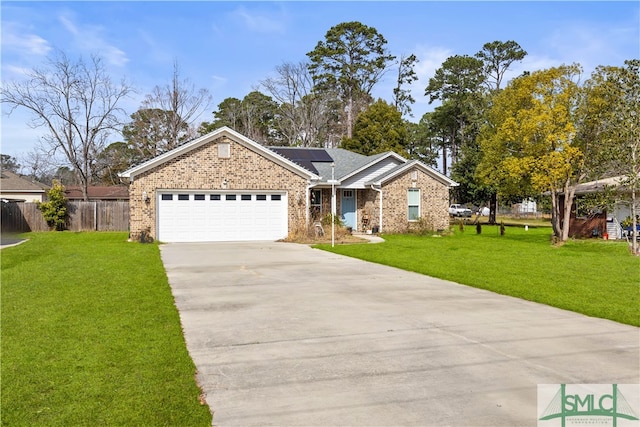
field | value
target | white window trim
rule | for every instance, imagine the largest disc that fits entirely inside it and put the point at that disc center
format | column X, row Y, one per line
column 409, row 191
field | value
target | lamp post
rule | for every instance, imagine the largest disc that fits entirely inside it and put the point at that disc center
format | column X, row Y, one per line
column 333, row 204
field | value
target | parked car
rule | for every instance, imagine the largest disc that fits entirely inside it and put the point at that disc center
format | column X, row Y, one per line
column 459, row 210
column 484, row 211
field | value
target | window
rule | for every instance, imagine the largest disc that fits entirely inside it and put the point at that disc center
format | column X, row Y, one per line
column 413, row 199
column 347, row 194
column 183, row 197
column 276, row 197
column 261, row 197
column 198, row 197
column 167, row 197
column 214, row 197
column 316, row 204
column 245, row 197
column 230, row 197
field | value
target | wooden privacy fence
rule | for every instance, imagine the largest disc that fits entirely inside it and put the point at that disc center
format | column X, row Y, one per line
column 83, row 216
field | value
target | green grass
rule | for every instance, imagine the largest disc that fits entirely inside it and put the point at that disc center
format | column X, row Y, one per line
column 594, row 277
column 91, row 336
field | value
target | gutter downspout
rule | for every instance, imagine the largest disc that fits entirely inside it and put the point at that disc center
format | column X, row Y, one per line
column 379, row 190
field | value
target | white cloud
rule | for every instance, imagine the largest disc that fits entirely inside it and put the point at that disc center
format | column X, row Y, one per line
column 90, row 38
column 18, row 39
column 530, row 63
column 431, row 58
column 219, row 80
column 592, row 44
column 260, row 22
column 14, row 71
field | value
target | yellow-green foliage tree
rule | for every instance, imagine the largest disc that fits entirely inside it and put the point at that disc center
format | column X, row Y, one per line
column 530, row 142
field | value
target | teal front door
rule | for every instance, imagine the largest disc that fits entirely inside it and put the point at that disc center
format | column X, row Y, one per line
column 348, row 208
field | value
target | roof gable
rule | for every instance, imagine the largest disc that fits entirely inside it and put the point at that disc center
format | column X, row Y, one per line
column 403, row 168
column 210, row 137
column 369, row 162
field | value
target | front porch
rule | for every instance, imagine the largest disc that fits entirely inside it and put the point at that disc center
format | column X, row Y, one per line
column 357, row 209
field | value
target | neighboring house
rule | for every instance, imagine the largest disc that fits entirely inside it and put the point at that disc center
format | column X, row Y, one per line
column 98, row 193
column 526, row 206
column 590, row 224
column 14, row 188
column 225, row 187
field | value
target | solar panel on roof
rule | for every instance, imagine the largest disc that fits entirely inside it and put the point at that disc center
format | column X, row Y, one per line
column 304, row 156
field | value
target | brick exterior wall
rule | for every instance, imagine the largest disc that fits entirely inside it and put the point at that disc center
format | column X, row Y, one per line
column 201, row 169
column 434, row 203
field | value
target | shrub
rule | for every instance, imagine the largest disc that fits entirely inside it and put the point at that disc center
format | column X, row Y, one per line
column 55, row 210
column 420, row 227
column 326, row 220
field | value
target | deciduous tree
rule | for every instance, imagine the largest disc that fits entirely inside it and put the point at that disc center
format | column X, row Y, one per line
column 78, row 105
column 612, row 122
column 529, row 144
column 304, row 115
column 176, row 104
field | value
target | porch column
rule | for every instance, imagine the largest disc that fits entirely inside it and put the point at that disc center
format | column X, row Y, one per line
column 379, row 190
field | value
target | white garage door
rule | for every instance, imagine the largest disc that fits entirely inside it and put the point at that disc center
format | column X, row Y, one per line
column 187, row 216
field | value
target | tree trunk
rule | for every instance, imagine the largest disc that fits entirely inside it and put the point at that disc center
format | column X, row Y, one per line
column 568, row 204
column 350, row 118
column 561, row 219
column 444, row 159
column 493, row 208
column 555, row 214
column 634, row 220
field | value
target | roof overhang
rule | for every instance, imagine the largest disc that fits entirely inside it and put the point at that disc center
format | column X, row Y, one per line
column 212, row 136
column 618, row 184
column 17, row 190
column 409, row 165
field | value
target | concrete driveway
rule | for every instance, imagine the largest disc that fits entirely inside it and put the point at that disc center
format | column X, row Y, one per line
column 282, row 334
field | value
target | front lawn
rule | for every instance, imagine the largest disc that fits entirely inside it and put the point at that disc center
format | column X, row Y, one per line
column 594, row 277
column 91, row 336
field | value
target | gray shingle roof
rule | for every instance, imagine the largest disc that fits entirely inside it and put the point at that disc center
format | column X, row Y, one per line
column 346, row 162
column 10, row 181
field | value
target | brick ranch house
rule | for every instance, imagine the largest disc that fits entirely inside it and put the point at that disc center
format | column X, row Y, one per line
column 225, row 187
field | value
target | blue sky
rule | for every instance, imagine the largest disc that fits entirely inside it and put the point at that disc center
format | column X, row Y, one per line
column 229, row 47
